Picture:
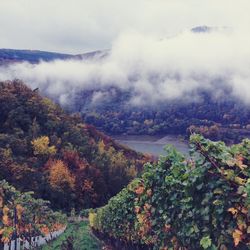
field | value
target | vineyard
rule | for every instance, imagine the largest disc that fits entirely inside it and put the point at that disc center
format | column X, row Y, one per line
column 24, row 217
column 202, row 202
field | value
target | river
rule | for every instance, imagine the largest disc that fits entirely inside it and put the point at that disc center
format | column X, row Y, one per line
column 152, row 144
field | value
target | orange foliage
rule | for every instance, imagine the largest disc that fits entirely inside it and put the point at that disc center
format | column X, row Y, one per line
column 59, row 176
column 139, row 190
column 19, row 210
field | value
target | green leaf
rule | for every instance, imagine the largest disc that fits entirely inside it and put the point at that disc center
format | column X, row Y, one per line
column 205, row 242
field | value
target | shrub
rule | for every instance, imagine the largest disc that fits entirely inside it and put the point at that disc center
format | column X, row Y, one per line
column 201, row 202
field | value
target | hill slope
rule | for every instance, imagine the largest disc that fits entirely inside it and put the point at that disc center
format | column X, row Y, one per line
column 220, row 119
column 56, row 155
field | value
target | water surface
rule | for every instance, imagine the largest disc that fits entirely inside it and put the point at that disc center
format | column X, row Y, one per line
column 153, row 144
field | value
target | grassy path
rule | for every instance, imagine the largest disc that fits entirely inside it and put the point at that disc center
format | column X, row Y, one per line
column 77, row 236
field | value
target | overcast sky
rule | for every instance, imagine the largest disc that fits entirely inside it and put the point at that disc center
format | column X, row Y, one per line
column 77, row 26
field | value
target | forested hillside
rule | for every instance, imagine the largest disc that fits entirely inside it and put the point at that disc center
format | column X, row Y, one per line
column 61, row 159
column 122, row 106
column 224, row 118
column 198, row 203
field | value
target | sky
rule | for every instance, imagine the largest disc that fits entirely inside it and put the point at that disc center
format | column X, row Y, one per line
column 152, row 51
column 78, row 26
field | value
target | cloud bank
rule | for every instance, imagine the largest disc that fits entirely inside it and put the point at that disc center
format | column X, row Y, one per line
column 78, row 26
column 152, row 69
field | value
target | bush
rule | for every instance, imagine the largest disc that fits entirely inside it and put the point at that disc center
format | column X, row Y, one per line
column 197, row 203
column 24, row 216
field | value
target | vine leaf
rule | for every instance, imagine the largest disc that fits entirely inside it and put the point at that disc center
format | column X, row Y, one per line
column 205, row 242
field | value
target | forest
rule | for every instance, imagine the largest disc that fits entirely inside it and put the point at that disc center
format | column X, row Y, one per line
column 52, row 165
column 225, row 118
column 65, row 161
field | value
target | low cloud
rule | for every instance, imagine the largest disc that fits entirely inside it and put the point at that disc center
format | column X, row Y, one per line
column 154, row 70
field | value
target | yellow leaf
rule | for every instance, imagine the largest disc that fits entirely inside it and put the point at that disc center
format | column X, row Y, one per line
column 230, row 162
column 218, row 191
column 5, row 220
column 232, row 210
column 140, row 218
column 5, row 210
column 229, row 174
column 239, row 181
column 237, row 234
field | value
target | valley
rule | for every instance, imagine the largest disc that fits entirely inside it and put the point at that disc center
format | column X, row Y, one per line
column 124, row 125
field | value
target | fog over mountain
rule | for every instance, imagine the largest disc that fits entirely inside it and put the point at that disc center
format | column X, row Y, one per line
column 173, row 68
column 79, row 26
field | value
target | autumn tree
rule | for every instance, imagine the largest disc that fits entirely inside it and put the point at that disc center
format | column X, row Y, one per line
column 60, row 177
column 62, row 183
column 41, row 146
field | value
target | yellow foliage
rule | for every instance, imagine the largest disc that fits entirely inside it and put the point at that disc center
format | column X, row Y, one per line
column 60, row 176
column 92, row 217
column 41, row 146
column 19, row 210
column 237, row 234
column 49, row 104
column 5, row 220
column 5, row 210
column 132, row 171
column 101, row 147
column 232, row 210
column 118, row 160
column 7, row 152
column 240, row 181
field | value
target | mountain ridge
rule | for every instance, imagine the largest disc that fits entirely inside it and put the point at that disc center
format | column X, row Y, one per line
column 35, row 56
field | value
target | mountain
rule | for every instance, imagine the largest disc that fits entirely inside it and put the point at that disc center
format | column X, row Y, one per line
column 202, row 29
column 35, row 56
column 56, row 155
